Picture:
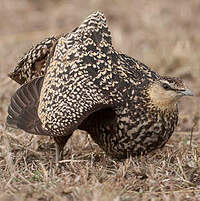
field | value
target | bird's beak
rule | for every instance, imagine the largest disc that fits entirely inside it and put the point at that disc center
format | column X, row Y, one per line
column 186, row 92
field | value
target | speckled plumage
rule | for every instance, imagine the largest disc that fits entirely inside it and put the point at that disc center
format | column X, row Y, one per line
column 89, row 85
column 33, row 63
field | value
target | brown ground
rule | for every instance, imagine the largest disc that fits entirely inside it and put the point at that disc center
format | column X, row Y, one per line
column 162, row 34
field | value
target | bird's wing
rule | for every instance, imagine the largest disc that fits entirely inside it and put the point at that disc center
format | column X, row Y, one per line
column 77, row 83
column 70, row 92
column 22, row 111
column 33, row 63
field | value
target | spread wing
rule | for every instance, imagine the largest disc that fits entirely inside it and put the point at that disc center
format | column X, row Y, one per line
column 76, row 83
column 33, row 63
column 70, row 93
column 22, row 111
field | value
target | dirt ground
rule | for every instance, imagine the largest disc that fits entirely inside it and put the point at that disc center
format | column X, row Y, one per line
column 162, row 34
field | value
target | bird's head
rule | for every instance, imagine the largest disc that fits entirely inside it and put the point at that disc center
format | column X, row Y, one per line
column 165, row 92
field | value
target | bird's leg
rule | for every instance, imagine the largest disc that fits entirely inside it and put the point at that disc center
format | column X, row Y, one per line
column 59, row 152
column 60, row 143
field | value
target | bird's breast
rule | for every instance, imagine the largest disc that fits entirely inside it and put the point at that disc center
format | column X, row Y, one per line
column 143, row 131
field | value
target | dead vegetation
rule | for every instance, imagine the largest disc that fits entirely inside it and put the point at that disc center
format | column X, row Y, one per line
column 164, row 36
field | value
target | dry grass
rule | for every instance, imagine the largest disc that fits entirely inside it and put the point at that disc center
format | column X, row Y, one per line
column 161, row 34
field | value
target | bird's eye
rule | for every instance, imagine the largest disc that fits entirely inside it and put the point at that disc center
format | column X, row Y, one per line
column 166, row 86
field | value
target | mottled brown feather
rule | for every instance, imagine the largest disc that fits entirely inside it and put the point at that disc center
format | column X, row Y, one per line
column 89, row 85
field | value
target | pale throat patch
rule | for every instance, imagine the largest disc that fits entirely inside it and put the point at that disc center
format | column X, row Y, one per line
column 161, row 98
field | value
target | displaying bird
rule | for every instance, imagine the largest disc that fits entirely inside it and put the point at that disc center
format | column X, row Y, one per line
column 127, row 108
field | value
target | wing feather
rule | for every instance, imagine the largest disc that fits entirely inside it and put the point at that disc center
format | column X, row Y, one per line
column 22, row 111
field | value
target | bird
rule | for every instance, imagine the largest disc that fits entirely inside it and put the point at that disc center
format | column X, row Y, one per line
column 79, row 81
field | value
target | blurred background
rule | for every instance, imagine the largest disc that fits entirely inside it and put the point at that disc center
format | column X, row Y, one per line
column 162, row 34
